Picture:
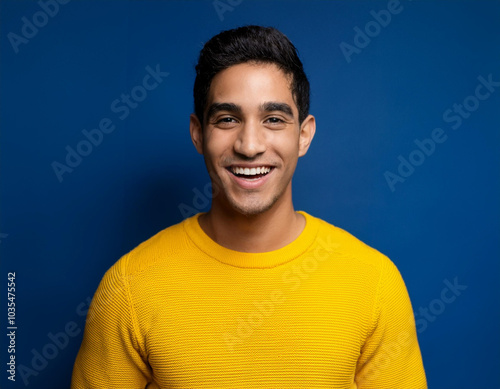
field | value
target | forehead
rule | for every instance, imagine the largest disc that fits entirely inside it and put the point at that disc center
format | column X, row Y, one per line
column 251, row 84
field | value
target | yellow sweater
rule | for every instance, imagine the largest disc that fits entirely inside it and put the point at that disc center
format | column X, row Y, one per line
column 181, row 311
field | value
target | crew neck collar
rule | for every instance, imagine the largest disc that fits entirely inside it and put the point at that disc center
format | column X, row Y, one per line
column 264, row 260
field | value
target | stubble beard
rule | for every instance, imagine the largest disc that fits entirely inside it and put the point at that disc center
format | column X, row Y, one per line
column 253, row 205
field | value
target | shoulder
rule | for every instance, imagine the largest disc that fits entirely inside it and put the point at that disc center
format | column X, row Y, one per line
column 349, row 248
column 162, row 247
column 356, row 260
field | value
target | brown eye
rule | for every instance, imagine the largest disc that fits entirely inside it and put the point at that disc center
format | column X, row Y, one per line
column 275, row 121
column 226, row 120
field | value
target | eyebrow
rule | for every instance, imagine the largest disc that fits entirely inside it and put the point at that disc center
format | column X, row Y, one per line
column 269, row 106
column 275, row 106
column 217, row 107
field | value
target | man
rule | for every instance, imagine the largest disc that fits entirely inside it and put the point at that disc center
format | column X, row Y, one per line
column 251, row 293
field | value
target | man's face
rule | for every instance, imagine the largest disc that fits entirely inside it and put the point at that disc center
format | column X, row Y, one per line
column 252, row 137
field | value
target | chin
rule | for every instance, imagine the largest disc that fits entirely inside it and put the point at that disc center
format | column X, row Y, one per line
column 251, row 208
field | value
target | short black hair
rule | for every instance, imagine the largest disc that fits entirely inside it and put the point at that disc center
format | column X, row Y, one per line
column 250, row 44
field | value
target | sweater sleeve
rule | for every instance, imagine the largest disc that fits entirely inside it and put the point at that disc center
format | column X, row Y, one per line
column 111, row 355
column 390, row 357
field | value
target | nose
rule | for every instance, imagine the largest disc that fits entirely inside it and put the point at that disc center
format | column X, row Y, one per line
column 250, row 141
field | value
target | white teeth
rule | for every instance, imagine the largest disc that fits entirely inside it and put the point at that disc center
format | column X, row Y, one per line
column 250, row 171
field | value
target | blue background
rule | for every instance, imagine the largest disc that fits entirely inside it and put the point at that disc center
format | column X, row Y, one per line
column 441, row 223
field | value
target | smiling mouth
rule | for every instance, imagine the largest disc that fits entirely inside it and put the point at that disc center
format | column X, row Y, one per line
column 250, row 174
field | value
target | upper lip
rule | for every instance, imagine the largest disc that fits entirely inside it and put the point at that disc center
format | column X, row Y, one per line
column 249, row 165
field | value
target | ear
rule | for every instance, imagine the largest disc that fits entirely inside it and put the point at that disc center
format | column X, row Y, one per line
column 196, row 132
column 307, row 131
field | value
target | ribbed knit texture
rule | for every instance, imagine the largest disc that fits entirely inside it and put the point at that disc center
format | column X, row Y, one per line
column 181, row 311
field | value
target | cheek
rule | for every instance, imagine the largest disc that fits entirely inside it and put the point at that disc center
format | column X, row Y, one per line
column 216, row 148
column 287, row 146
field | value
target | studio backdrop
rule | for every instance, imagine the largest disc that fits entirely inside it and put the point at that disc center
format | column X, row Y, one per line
column 96, row 157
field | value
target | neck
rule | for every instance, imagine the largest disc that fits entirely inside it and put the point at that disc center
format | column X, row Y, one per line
column 267, row 231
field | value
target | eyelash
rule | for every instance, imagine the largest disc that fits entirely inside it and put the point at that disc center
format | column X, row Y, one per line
column 224, row 120
column 275, row 119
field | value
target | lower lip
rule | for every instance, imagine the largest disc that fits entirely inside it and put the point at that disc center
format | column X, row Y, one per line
column 251, row 184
